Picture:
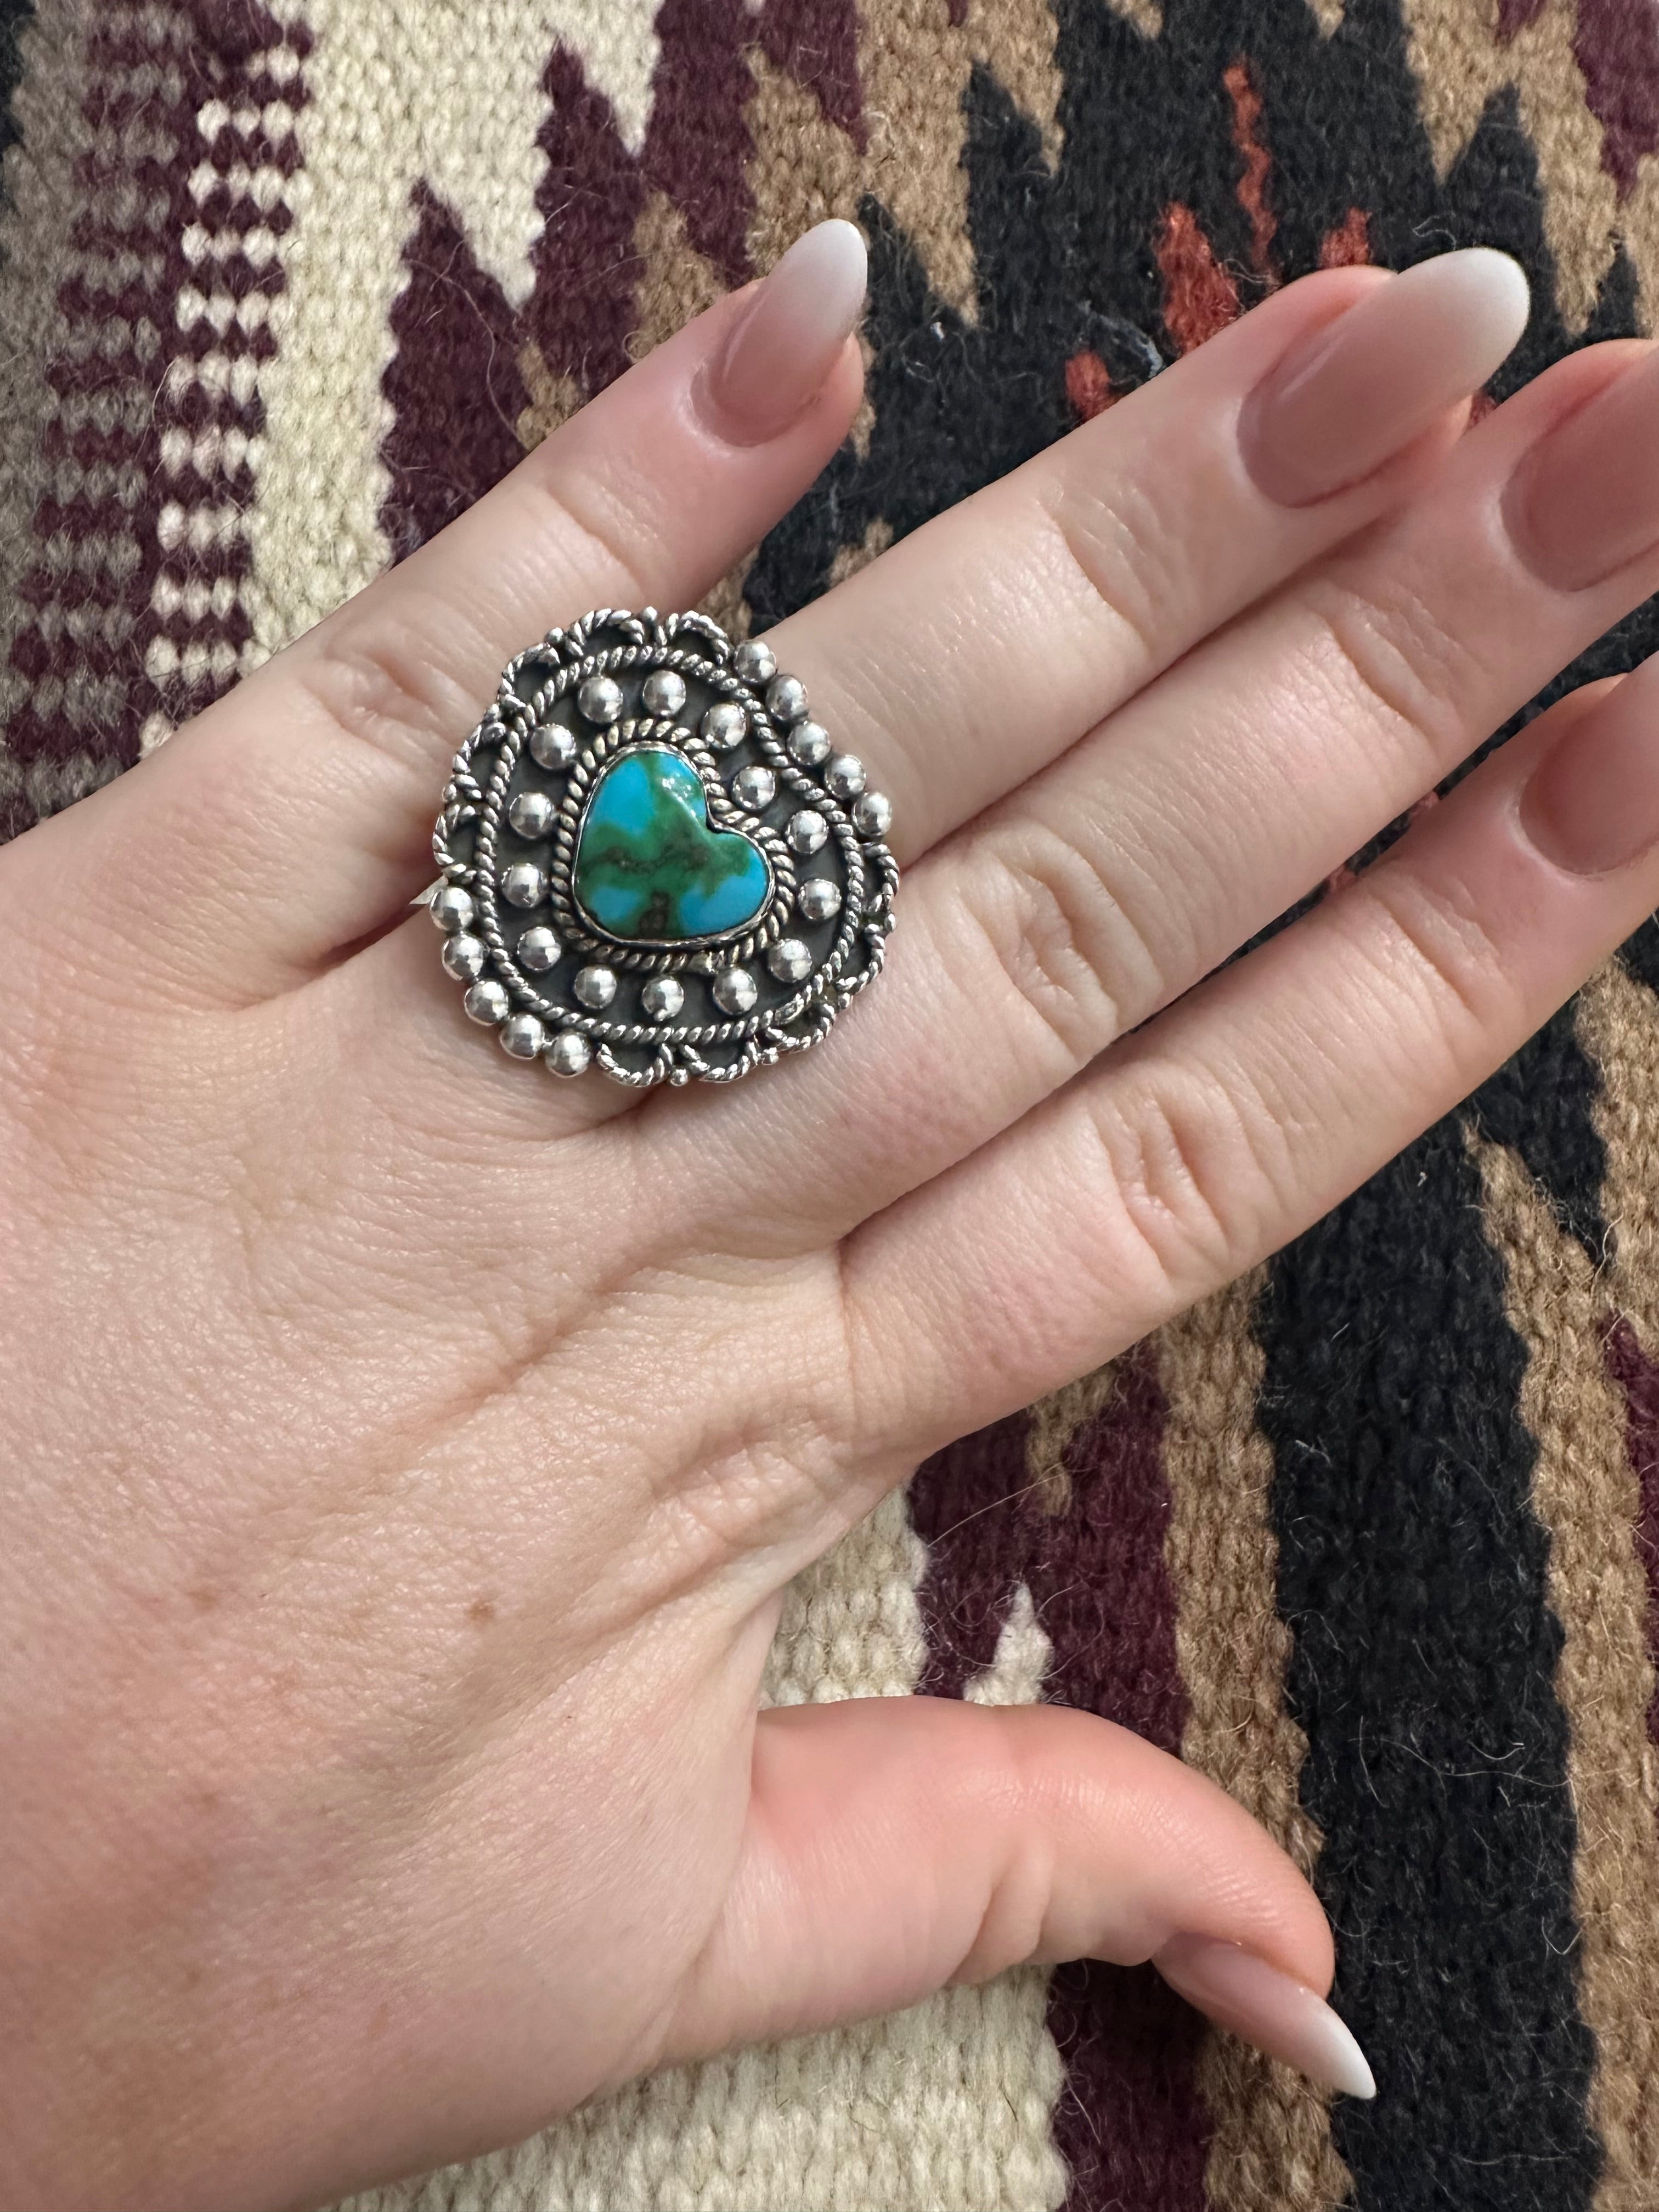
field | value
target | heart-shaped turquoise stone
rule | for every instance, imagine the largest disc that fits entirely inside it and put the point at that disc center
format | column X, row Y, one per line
column 648, row 866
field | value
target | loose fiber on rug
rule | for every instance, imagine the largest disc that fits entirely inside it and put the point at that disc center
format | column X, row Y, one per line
column 1373, row 1536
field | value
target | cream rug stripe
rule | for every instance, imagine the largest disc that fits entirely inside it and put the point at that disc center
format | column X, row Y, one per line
column 402, row 91
column 943, row 2108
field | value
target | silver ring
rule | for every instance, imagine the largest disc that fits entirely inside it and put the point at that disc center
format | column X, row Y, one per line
column 654, row 861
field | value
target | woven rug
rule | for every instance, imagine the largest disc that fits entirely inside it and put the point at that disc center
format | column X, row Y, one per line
column 1373, row 1536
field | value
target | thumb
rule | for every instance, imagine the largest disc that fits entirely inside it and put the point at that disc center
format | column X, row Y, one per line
column 895, row 1844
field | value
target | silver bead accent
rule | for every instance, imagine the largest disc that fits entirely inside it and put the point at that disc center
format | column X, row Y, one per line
column 724, row 725
column 789, row 960
column 600, row 699
column 570, row 1054
column 451, row 908
column 663, row 691
column 663, row 997
column 523, row 884
column 734, row 990
column 786, row 699
column 754, row 786
column 532, row 814
column 873, row 815
column 807, row 833
column 755, row 661
column 552, row 746
column 522, row 1036
column 464, row 957
column 538, row 951
column 596, row 988
column 487, row 1002
column 810, row 743
column 845, row 775
column 818, row 898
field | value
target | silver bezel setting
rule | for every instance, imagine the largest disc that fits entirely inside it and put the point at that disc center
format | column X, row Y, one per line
column 475, row 844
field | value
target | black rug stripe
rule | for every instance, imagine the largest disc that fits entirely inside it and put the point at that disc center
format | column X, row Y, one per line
column 1411, row 1570
column 14, row 17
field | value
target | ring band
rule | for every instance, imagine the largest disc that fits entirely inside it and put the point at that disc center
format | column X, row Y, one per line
column 654, row 862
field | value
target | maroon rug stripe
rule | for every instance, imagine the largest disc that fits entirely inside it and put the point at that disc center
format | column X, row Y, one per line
column 453, row 382
column 966, row 1505
column 699, row 144
column 134, row 306
column 817, row 42
column 1130, row 2123
column 1638, row 1377
column 1616, row 46
column 580, row 315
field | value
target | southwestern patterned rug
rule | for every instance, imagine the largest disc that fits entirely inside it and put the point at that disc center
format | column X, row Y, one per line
column 1374, row 1536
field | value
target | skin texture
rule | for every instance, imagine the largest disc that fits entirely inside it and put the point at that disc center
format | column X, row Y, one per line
column 416, row 1449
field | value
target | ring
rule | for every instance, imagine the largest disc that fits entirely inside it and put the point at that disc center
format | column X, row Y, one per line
column 654, row 862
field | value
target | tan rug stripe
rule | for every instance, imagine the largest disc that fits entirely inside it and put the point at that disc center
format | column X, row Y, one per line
column 1619, row 1027
column 1016, row 39
column 1460, row 64
column 804, row 169
column 914, row 65
column 1586, row 1496
column 1146, row 15
column 1272, row 2149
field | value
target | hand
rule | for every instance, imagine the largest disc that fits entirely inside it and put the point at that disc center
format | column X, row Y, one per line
column 410, row 1451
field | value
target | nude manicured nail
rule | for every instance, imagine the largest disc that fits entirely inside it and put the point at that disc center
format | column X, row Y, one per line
column 1586, row 499
column 1363, row 387
column 790, row 334
column 1279, row 2015
column 1592, row 803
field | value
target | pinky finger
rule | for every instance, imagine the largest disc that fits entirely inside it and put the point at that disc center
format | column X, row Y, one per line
column 1232, row 1122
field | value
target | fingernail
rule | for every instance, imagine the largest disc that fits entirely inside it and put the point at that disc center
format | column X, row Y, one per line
column 1592, row 803
column 1360, row 389
column 1278, row 2015
column 791, row 333
column 1586, row 499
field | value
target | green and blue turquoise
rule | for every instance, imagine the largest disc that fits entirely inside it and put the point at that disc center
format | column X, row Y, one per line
column 648, row 864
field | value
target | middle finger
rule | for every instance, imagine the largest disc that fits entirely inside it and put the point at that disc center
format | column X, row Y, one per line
column 1113, row 882
column 989, row 641
column 986, row 643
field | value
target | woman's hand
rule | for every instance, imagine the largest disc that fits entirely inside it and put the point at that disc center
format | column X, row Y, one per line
column 410, row 1451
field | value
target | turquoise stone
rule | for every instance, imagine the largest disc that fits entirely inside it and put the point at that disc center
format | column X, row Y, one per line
column 649, row 867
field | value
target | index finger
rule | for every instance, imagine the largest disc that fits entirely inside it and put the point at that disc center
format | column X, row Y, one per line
column 295, row 816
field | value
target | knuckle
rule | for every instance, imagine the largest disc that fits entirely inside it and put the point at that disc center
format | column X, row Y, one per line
column 1434, row 942
column 1408, row 672
column 373, row 674
column 592, row 523
column 777, row 1466
column 1191, row 1168
column 1065, row 942
column 1111, row 545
